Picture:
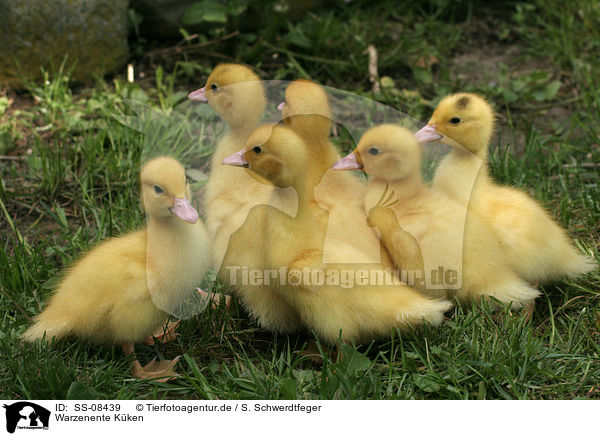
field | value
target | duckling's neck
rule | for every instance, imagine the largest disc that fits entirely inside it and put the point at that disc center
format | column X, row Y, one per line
column 170, row 232
column 406, row 187
column 305, row 190
column 458, row 174
column 463, row 160
column 474, row 151
column 176, row 255
column 232, row 142
column 243, row 130
column 324, row 154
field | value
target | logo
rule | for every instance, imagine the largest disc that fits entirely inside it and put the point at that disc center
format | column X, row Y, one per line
column 26, row 415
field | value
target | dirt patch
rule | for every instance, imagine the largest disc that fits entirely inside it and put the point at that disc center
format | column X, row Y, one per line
column 486, row 65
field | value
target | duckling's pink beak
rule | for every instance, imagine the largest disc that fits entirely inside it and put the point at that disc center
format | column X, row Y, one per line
column 198, row 95
column 236, row 159
column 428, row 134
column 281, row 106
column 184, row 210
column 350, row 162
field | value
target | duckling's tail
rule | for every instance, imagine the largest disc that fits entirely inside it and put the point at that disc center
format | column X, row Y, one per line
column 515, row 292
column 45, row 328
column 580, row 265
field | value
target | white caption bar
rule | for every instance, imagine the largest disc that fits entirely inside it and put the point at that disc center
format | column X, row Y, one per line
column 151, row 417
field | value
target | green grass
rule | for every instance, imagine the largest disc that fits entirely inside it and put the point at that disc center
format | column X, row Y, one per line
column 72, row 181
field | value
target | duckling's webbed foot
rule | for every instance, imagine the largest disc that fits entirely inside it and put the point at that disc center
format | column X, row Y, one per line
column 314, row 354
column 215, row 298
column 166, row 333
column 157, row 370
column 528, row 310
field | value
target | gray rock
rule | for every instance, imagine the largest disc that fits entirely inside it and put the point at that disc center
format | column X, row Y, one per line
column 39, row 33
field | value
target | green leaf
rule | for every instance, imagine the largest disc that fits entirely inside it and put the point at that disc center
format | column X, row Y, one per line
column 62, row 216
column 552, row 89
column 436, row 349
column 79, row 391
column 213, row 367
column 196, row 175
column 4, row 104
column 139, row 94
column 159, row 76
column 387, row 82
column 426, row 383
column 303, row 375
column 539, row 95
column 413, row 355
column 509, row 96
column 518, row 85
column 453, row 389
column 353, row 360
column 249, row 37
column 287, row 389
column 206, row 11
column 52, row 282
column 538, row 76
column 423, row 75
column 297, row 37
column 481, row 393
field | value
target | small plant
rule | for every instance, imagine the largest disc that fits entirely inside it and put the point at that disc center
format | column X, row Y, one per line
column 520, row 87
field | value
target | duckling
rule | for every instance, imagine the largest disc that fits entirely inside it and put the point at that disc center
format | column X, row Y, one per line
column 125, row 288
column 537, row 248
column 294, row 245
column 307, row 112
column 453, row 246
column 238, row 97
column 236, row 93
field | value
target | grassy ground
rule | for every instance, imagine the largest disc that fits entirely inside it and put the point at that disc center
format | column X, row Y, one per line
column 69, row 179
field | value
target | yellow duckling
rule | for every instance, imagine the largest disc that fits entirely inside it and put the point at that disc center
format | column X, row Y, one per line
column 293, row 246
column 126, row 287
column 537, row 248
column 307, row 112
column 238, row 97
column 426, row 229
column 236, row 93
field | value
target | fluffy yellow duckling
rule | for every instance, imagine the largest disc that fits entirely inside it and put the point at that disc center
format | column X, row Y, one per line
column 238, row 97
column 126, row 287
column 425, row 227
column 236, row 93
column 306, row 110
column 537, row 248
column 295, row 245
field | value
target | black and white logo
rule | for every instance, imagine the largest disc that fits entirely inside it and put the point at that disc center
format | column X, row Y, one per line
column 26, row 415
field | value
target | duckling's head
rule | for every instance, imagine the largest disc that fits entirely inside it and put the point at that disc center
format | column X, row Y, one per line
column 235, row 93
column 306, row 109
column 273, row 153
column 165, row 193
column 461, row 120
column 389, row 152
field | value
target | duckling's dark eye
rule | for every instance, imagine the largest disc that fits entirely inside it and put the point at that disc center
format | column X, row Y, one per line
column 373, row 151
column 257, row 149
column 214, row 87
column 158, row 189
column 455, row 120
